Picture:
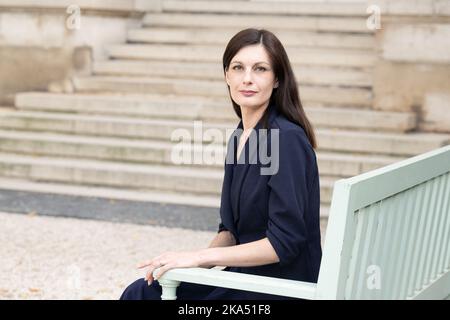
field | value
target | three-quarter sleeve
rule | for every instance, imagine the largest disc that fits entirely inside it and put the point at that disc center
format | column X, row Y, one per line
column 289, row 193
column 221, row 228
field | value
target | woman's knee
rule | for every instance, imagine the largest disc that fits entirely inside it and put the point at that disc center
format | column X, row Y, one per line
column 140, row 290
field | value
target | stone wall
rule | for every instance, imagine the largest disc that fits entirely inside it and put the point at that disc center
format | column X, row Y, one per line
column 413, row 68
column 46, row 41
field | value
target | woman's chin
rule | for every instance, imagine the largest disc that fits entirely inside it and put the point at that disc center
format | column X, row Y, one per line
column 254, row 106
column 246, row 103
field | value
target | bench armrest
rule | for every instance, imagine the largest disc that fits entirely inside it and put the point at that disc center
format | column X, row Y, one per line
column 240, row 281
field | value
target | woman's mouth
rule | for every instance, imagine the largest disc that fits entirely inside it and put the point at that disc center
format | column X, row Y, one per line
column 247, row 93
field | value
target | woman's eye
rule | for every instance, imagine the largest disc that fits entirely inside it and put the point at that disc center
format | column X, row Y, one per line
column 260, row 69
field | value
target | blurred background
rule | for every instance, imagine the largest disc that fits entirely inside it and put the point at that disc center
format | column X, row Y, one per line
column 91, row 93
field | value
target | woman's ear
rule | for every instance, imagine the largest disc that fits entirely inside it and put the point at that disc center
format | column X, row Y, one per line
column 226, row 78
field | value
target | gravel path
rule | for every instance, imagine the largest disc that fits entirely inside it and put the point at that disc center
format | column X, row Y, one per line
column 44, row 257
column 66, row 258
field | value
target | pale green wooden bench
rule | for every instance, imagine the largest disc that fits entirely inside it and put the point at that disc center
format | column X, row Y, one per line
column 388, row 237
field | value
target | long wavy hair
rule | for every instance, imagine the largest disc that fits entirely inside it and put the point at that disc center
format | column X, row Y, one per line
column 286, row 96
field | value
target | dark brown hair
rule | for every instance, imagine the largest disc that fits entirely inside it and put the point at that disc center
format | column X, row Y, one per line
column 285, row 97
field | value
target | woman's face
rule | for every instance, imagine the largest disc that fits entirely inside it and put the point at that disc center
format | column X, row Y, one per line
column 251, row 77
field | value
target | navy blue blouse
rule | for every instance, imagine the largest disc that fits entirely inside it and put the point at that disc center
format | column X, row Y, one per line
column 284, row 206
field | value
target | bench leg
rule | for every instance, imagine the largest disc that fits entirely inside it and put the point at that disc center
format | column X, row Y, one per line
column 169, row 289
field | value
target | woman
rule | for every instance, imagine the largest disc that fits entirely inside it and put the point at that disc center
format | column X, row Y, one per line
column 270, row 222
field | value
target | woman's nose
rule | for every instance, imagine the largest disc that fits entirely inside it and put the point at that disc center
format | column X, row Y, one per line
column 247, row 76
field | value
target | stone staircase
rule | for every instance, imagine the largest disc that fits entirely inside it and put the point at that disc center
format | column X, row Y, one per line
column 114, row 132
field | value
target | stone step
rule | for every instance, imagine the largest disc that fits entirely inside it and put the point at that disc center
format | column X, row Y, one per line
column 326, row 188
column 114, row 174
column 350, row 164
column 271, row 7
column 110, row 149
column 357, row 119
column 128, row 123
column 318, row 95
column 129, row 105
column 161, row 129
column 221, row 36
column 306, row 75
column 268, row 21
column 212, row 53
column 395, row 144
column 160, row 152
column 187, row 181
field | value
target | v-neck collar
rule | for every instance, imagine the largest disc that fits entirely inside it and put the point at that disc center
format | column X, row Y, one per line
column 255, row 131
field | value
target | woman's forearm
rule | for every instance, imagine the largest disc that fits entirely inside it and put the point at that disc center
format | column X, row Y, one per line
column 222, row 239
column 250, row 254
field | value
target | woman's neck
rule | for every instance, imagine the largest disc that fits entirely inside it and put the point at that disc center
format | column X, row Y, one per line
column 250, row 116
